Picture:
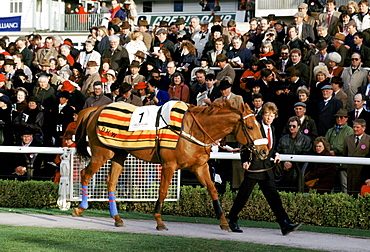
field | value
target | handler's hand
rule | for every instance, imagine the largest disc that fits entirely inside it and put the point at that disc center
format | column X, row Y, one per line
column 288, row 165
column 246, row 165
column 277, row 159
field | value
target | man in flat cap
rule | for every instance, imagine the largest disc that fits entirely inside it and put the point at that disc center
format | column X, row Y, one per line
column 163, row 42
column 335, row 137
column 305, row 31
column 327, row 109
column 303, row 7
column 200, row 38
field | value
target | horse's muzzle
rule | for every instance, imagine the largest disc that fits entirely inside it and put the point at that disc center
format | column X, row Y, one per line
column 262, row 154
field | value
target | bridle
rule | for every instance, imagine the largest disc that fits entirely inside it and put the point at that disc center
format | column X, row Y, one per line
column 251, row 146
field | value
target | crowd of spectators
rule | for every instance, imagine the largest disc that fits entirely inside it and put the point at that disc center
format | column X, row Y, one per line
column 313, row 69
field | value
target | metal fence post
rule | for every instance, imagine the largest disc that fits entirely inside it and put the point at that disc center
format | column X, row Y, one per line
column 64, row 184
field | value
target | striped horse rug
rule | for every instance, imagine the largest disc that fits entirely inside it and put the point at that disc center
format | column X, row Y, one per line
column 114, row 127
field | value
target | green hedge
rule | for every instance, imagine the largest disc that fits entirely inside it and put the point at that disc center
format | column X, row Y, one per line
column 334, row 210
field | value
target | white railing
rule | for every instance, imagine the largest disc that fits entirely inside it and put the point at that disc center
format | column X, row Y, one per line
column 69, row 187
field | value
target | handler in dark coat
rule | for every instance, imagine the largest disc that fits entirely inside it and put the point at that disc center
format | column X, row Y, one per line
column 264, row 178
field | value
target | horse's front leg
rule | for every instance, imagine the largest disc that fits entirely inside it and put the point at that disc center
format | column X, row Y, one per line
column 86, row 175
column 112, row 179
column 166, row 177
column 202, row 173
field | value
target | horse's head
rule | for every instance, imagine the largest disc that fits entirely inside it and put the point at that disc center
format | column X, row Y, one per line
column 249, row 134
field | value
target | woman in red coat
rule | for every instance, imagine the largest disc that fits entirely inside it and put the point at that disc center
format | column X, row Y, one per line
column 178, row 88
column 325, row 172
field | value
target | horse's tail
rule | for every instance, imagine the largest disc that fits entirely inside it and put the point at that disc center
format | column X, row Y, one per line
column 81, row 143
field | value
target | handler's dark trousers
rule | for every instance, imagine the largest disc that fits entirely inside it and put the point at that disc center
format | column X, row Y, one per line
column 268, row 188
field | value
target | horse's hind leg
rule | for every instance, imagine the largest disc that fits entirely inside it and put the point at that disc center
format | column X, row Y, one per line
column 112, row 179
column 202, row 173
column 86, row 175
column 166, row 177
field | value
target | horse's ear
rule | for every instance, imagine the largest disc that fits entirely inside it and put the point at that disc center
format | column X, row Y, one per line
column 247, row 106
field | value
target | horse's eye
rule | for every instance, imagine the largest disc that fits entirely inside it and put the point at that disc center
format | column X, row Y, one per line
column 249, row 128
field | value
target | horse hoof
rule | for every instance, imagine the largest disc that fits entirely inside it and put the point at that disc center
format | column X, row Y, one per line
column 119, row 224
column 75, row 213
column 225, row 227
column 161, row 228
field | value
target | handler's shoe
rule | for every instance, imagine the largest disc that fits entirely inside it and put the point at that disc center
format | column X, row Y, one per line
column 234, row 227
column 286, row 227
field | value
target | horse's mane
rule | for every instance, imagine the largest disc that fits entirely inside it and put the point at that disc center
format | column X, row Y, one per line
column 213, row 109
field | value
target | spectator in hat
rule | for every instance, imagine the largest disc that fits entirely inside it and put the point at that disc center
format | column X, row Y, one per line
column 136, row 44
column 201, row 37
column 162, row 42
column 203, row 62
column 359, row 47
column 339, row 47
column 337, row 84
column 45, row 53
column 320, row 78
column 128, row 96
column 334, row 61
column 93, row 69
column 226, row 69
column 140, row 57
column 320, row 57
column 134, row 78
column 308, row 125
column 77, row 75
column 77, row 99
column 147, row 37
column 305, row 31
column 129, row 7
column 327, row 109
column 19, row 65
column 4, row 84
column 32, row 117
column 61, row 114
column 110, row 77
column 362, row 18
column 293, row 81
column 97, row 98
column 115, row 91
column 151, row 64
column 303, row 7
column 27, row 139
column 44, row 93
column 89, row 54
column 280, row 31
column 330, row 17
column 335, row 137
column 354, row 77
column 142, row 91
column 49, row 68
column 26, row 53
column 178, row 88
column 180, row 24
column 226, row 94
column 116, row 12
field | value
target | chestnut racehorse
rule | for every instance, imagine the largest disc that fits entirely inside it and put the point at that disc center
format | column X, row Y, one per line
column 201, row 126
